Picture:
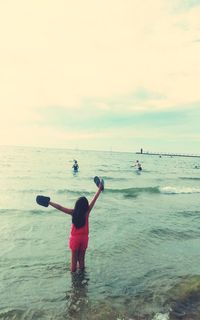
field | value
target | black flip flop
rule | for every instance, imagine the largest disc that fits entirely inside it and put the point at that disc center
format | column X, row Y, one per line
column 43, row 201
column 97, row 181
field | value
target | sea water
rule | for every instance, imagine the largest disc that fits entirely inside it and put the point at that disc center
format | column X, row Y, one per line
column 143, row 257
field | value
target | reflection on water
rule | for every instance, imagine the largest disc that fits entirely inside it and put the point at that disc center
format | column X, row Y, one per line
column 182, row 301
column 77, row 300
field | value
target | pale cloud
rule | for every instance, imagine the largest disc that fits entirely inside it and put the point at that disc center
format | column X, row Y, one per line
column 65, row 64
column 183, row 5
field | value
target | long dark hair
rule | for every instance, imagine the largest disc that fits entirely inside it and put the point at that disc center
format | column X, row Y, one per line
column 79, row 213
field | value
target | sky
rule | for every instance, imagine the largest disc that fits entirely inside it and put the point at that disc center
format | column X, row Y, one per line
column 100, row 74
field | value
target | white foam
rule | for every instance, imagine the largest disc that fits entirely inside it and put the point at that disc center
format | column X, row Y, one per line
column 161, row 316
column 179, row 190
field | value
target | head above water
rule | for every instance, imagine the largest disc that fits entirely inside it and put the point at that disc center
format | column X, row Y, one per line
column 79, row 213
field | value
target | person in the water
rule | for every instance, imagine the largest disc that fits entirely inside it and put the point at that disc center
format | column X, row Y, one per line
column 75, row 165
column 138, row 165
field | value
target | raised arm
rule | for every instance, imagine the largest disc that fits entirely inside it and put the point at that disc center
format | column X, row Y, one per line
column 92, row 203
column 61, row 208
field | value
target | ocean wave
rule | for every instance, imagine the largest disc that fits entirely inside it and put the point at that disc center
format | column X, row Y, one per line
column 14, row 314
column 126, row 192
column 36, row 191
column 113, row 178
column 75, row 192
column 5, row 210
column 39, row 211
column 194, row 214
column 134, row 192
column 190, row 178
column 169, row 234
column 115, row 170
column 179, row 190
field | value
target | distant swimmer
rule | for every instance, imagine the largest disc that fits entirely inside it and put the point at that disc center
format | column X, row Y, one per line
column 75, row 166
column 138, row 165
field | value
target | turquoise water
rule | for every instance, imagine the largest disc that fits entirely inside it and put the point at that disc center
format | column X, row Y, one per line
column 143, row 257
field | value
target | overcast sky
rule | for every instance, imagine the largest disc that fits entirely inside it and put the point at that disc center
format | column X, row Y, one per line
column 100, row 74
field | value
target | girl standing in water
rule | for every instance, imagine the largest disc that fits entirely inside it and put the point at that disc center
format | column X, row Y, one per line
column 79, row 236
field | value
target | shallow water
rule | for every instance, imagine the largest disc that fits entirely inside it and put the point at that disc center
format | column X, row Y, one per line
column 144, row 236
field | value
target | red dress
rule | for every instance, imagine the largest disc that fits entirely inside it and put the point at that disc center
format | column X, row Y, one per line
column 79, row 236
